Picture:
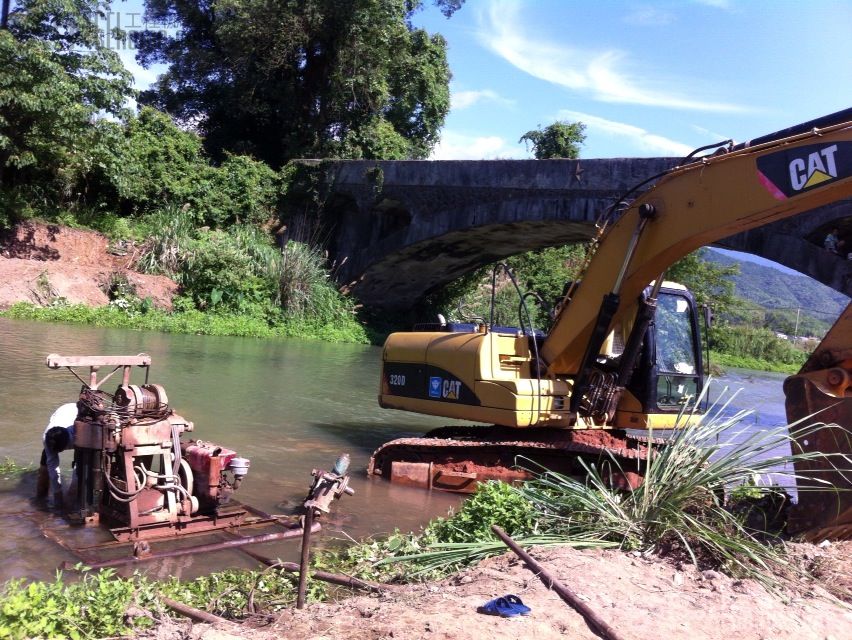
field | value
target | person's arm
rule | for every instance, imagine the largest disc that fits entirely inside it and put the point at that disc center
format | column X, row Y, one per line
column 54, row 473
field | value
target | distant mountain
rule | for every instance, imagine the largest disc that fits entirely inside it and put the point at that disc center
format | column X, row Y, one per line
column 773, row 289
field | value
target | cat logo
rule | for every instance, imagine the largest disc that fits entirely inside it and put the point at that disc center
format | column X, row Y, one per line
column 818, row 167
column 790, row 172
column 451, row 389
column 444, row 389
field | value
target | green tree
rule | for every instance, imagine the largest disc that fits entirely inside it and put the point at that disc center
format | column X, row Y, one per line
column 306, row 78
column 711, row 283
column 558, row 140
column 57, row 81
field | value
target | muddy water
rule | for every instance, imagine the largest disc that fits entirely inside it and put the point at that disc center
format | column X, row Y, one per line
column 289, row 406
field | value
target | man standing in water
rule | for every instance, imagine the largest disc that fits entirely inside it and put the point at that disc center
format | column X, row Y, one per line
column 58, row 436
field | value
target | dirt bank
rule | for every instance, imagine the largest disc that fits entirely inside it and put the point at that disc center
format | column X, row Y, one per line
column 642, row 598
column 40, row 263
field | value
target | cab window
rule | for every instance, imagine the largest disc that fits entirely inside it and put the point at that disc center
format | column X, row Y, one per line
column 678, row 377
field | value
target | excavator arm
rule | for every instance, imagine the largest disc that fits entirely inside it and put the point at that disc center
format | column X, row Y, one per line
column 690, row 207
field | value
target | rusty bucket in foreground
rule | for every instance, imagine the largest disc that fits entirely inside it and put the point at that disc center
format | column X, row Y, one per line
column 822, row 393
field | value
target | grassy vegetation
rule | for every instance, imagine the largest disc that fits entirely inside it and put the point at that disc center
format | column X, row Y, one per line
column 754, row 348
column 750, row 362
column 10, row 468
column 193, row 321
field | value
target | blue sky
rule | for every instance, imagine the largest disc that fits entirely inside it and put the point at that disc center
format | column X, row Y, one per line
column 647, row 78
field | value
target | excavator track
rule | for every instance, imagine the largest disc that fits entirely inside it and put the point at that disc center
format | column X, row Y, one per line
column 457, row 458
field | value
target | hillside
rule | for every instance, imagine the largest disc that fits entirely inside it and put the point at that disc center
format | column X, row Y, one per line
column 771, row 288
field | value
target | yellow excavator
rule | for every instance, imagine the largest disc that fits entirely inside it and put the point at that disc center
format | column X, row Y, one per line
column 623, row 356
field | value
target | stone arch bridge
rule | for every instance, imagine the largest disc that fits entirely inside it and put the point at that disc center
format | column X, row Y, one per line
column 399, row 229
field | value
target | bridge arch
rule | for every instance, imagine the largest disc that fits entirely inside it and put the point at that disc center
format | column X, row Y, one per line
column 432, row 222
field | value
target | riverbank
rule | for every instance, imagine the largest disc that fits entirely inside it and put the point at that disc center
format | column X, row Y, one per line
column 641, row 596
column 52, row 273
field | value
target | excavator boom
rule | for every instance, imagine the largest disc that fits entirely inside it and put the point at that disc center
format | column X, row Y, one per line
column 695, row 205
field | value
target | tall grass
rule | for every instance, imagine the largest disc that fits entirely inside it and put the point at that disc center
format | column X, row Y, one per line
column 680, row 506
column 170, row 233
column 305, row 285
column 681, row 503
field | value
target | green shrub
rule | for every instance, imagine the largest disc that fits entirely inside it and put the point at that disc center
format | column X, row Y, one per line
column 93, row 607
column 755, row 342
column 493, row 503
column 219, row 273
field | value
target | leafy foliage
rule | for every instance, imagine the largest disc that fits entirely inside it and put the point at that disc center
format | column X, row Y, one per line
column 56, row 80
column 93, row 607
column 558, row 140
column 710, row 282
column 284, row 80
column 235, row 594
column 10, row 468
column 544, row 273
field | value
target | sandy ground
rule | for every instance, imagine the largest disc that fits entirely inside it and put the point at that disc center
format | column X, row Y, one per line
column 641, row 598
column 40, row 262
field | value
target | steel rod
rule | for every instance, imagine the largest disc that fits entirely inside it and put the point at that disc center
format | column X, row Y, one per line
column 305, row 559
column 592, row 618
column 204, row 548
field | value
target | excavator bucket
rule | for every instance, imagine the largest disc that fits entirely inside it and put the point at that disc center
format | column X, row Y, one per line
column 821, row 393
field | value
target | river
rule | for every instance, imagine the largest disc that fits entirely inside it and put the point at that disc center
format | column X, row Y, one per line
column 289, row 406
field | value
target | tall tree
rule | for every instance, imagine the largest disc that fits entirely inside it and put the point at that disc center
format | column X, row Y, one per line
column 301, row 78
column 558, row 140
column 56, row 81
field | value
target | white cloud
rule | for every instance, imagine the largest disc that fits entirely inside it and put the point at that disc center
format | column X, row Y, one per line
column 649, row 17
column 636, row 136
column 603, row 74
column 458, row 146
column 716, row 4
column 465, row 99
column 710, row 135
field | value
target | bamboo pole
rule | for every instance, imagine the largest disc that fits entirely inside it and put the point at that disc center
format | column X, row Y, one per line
column 194, row 614
column 305, row 557
column 597, row 623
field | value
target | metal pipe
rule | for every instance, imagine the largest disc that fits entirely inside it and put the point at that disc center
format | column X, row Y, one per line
column 591, row 617
column 204, row 548
column 305, row 559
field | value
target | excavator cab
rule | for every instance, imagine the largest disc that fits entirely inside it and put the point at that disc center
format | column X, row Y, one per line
column 669, row 374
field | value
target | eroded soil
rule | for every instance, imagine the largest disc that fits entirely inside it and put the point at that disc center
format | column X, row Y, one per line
column 41, row 263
